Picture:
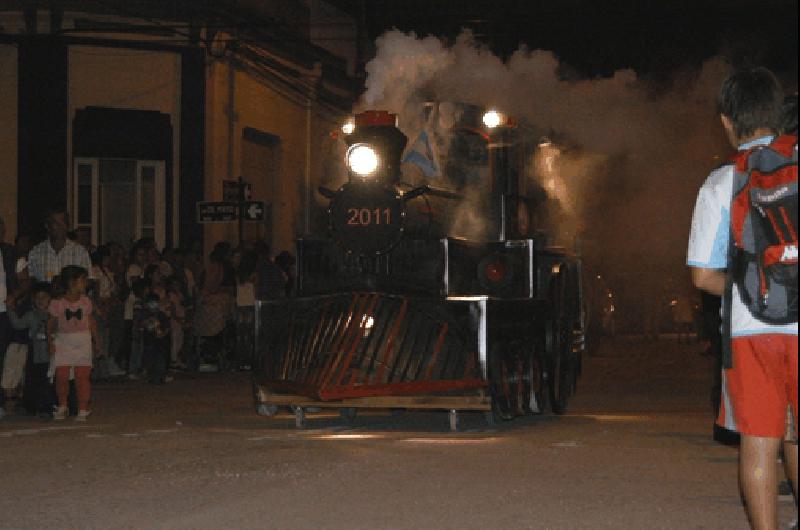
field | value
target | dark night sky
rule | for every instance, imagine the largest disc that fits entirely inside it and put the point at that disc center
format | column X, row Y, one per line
column 596, row 37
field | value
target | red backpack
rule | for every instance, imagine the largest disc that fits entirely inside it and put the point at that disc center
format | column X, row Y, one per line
column 763, row 253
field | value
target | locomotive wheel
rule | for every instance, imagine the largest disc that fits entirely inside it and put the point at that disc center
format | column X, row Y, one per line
column 502, row 385
column 563, row 365
column 537, row 388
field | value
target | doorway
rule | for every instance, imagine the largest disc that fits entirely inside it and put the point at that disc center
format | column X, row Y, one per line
column 119, row 199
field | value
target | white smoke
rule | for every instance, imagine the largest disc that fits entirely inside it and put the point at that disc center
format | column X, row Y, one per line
column 638, row 152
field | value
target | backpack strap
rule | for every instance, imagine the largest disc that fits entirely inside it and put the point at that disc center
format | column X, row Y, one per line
column 739, row 182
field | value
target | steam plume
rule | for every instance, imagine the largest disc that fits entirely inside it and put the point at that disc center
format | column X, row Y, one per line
column 638, row 152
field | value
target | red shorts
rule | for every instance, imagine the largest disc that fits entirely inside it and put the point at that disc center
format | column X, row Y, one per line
column 760, row 386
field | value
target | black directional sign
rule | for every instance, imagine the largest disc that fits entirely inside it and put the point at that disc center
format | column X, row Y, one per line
column 226, row 211
column 217, row 212
column 253, row 211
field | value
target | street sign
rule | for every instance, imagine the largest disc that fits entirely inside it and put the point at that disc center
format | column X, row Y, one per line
column 253, row 211
column 226, row 211
column 230, row 191
column 217, row 212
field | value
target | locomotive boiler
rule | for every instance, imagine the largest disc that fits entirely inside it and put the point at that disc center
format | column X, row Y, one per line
column 430, row 292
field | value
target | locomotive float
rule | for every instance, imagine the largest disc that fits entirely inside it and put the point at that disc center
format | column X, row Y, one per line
column 423, row 296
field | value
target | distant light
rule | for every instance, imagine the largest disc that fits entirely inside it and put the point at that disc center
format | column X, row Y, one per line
column 598, row 276
column 349, row 126
column 492, row 119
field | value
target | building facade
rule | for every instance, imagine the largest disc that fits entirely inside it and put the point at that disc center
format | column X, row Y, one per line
column 130, row 115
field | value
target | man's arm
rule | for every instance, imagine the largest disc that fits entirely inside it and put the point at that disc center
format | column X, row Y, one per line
column 709, row 280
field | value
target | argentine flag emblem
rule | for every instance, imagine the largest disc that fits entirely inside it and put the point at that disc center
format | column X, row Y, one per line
column 422, row 155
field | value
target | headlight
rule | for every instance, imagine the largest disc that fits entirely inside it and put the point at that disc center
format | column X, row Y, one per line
column 493, row 119
column 362, row 159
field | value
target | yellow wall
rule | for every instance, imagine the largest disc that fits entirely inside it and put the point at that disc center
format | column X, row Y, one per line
column 260, row 106
column 8, row 139
column 128, row 79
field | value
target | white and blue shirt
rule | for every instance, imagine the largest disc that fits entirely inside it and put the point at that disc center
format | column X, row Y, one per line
column 710, row 236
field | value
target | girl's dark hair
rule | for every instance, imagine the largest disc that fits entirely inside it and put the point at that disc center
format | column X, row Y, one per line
column 71, row 273
column 752, row 99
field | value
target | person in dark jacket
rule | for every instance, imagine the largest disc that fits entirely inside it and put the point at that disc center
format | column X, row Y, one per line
column 37, row 398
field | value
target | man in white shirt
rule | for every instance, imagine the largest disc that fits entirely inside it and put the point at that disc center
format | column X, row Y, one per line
column 762, row 382
column 46, row 259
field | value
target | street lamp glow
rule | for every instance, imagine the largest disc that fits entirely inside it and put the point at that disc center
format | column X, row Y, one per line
column 362, row 159
column 492, row 119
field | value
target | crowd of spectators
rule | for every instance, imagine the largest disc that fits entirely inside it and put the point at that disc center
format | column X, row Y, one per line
column 158, row 311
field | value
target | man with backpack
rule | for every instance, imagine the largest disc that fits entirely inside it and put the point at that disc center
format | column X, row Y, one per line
column 743, row 246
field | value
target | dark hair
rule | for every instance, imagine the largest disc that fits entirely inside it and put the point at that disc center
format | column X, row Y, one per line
column 247, row 266
column 58, row 210
column 221, row 252
column 752, row 100
column 100, row 252
column 149, row 271
column 139, row 287
column 152, row 297
column 789, row 115
column 262, row 248
column 41, row 287
column 71, row 273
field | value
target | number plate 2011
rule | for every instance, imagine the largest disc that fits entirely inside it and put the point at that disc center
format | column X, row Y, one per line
column 369, row 216
column 367, row 219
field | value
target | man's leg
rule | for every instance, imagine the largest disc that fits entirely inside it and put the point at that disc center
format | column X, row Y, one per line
column 758, row 477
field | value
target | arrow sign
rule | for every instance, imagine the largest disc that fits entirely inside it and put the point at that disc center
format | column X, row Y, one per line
column 253, row 211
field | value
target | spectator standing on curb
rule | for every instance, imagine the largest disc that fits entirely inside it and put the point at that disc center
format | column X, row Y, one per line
column 762, row 380
column 73, row 340
column 34, row 322
column 7, row 284
column 105, row 301
column 245, row 310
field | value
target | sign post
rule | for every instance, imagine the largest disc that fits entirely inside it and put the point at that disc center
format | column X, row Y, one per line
column 235, row 206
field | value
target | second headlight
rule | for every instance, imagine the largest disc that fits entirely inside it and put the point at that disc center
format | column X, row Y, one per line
column 362, row 159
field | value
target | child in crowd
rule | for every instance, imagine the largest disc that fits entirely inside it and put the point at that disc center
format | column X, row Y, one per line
column 73, row 340
column 104, row 297
column 175, row 295
column 139, row 292
column 155, row 326
column 16, row 356
column 34, row 321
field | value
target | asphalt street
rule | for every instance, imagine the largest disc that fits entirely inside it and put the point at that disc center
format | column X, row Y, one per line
column 634, row 451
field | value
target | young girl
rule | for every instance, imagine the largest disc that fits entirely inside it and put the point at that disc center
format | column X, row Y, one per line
column 72, row 332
